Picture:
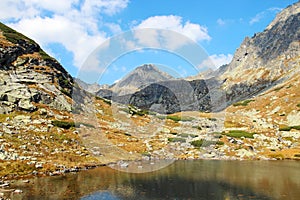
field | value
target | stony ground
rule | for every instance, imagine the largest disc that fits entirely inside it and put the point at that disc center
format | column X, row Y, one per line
column 52, row 142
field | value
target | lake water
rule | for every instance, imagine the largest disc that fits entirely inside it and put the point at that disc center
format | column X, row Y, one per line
column 199, row 179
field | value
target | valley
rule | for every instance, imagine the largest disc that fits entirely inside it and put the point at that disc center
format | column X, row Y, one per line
column 52, row 124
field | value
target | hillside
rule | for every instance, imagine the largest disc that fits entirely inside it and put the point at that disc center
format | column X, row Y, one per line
column 36, row 94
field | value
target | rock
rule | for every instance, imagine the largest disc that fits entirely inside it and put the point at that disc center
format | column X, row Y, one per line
column 39, row 165
column 22, row 119
column 244, row 153
column 4, row 185
column 43, row 111
column 18, row 191
column 293, row 119
column 25, row 104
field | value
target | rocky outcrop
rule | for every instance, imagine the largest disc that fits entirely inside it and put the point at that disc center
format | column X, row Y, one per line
column 177, row 95
column 28, row 76
column 266, row 59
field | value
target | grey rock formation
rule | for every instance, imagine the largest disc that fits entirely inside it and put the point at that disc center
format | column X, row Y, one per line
column 178, row 95
column 139, row 78
column 29, row 76
column 266, row 59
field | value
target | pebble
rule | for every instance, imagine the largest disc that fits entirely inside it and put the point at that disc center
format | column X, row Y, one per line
column 18, row 191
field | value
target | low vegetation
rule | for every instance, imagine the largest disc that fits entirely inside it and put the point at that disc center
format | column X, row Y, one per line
column 176, row 139
column 68, row 125
column 243, row 103
column 14, row 37
column 239, row 134
column 197, row 127
column 107, row 101
column 288, row 128
column 205, row 143
column 178, row 118
column 185, row 135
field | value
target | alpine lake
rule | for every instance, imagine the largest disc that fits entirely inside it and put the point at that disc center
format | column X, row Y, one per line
column 186, row 179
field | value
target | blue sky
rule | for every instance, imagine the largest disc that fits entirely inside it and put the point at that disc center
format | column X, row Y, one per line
column 70, row 30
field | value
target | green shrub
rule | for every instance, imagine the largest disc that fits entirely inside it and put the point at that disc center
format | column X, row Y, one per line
column 202, row 143
column 239, row 134
column 177, row 139
column 68, row 125
column 243, row 103
column 298, row 105
column 288, row 128
column 185, row 135
column 178, row 118
column 174, row 118
column 197, row 127
column 285, row 128
column 296, row 127
column 63, row 124
column 197, row 143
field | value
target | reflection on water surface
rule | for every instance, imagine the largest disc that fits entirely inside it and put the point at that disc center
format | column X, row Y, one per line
column 199, row 179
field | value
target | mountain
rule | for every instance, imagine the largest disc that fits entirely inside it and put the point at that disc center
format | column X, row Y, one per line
column 28, row 76
column 266, row 59
column 37, row 97
column 139, row 78
column 260, row 63
column 92, row 88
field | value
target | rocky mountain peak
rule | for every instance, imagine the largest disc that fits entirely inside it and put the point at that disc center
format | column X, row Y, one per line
column 140, row 78
column 267, row 58
column 285, row 14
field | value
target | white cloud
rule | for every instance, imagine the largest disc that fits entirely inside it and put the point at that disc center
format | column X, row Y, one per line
column 263, row 14
column 72, row 23
column 109, row 7
column 215, row 61
column 169, row 32
column 195, row 32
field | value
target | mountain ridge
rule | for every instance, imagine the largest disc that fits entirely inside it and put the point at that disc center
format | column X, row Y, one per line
column 135, row 80
column 260, row 63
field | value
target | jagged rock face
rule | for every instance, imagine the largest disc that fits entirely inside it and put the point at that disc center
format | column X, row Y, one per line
column 176, row 95
column 139, row 78
column 267, row 58
column 29, row 76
